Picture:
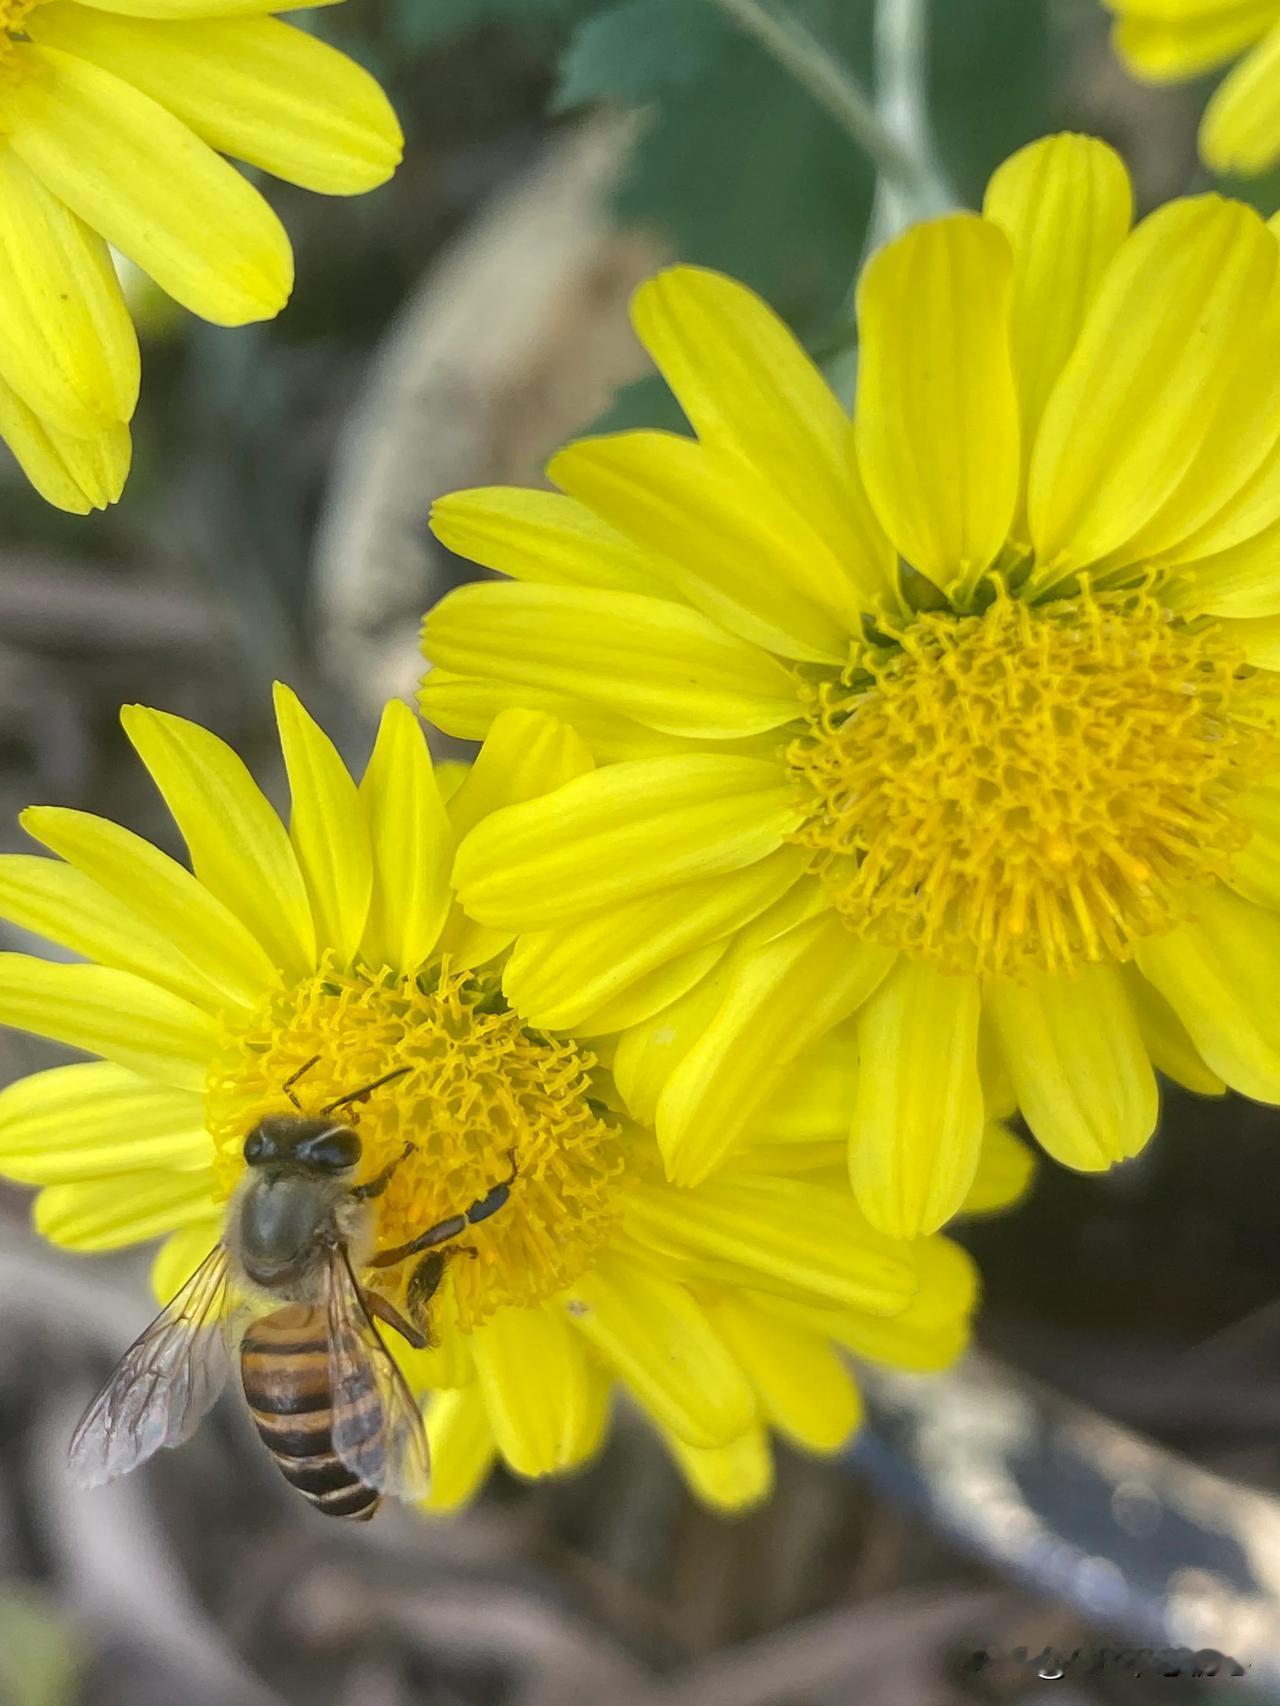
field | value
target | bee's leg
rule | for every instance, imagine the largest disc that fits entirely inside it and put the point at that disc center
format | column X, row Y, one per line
column 374, row 1187
column 425, row 1279
column 378, row 1308
column 453, row 1226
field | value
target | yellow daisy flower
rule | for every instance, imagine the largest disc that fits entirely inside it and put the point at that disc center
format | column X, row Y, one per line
column 1169, row 41
column 335, row 945
column 944, row 739
column 114, row 117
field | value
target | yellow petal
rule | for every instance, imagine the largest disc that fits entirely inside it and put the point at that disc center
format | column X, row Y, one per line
column 1165, row 1038
column 150, row 186
column 207, row 933
column 67, row 344
column 1242, row 581
column 933, row 1330
column 1259, row 639
column 412, row 844
column 85, row 1121
column 259, row 90
column 730, row 545
column 775, row 1234
column 111, row 1013
column 1080, row 1069
column 462, row 1447
column 815, row 1099
column 1006, row 1168
column 239, row 848
column 937, row 414
column 624, row 831
column 1170, row 46
column 652, row 993
column 655, row 661
column 1218, row 973
column 542, row 536
column 526, row 755
column 75, row 474
column 649, row 1052
column 126, row 1208
column 1255, row 869
column 728, row 1478
column 558, row 977
column 201, row 8
column 1174, row 317
column 180, row 1255
column 328, row 828
column 918, row 1117
column 1240, row 131
column 747, row 386
column 778, row 1000
column 542, row 1400
column 666, row 1351
column 804, row 1388
column 1065, row 204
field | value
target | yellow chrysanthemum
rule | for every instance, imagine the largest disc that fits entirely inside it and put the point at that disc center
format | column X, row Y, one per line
column 944, row 739
column 722, row 1311
column 1169, row 41
column 114, row 117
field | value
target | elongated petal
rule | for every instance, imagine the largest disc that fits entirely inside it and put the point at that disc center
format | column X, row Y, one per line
column 1218, row 973
column 201, row 8
column 1240, row 131
column 815, row 1099
column 63, row 905
column 526, row 755
column 933, row 1329
column 463, row 1449
column 778, row 1000
column 75, row 474
column 544, row 537
column 1165, row 1037
column 67, row 344
column 1174, row 317
column 181, row 1254
column 197, row 227
column 328, row 828
column 1006, row 1168
column 746, row 384
column 1065, row 204
column 776, row 1234
column 126, row 1208
column 729, row 545
column 937, row 415
column 541, row 1401
column 646, row 658
column 1079, row 1066
column 727, row 1478
column 649, row 1052
column 654, row 992
column 658, row 1338
column 918, row 1117
column 86, row 1121
column 1170, row 46
column 1255, row 869
column 557, row 977
column 111, row 1013
column 620, row 832
column 239, row 848
column 259, row 90
column 804, row 1388
column 209, row 936
column 412, row 844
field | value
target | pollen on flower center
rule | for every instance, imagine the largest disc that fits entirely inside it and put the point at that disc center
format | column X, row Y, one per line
column 1031, row 785
column 483, row 1092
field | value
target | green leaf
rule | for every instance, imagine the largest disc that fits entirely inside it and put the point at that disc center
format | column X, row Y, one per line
column 629, row 51
column 990, row 85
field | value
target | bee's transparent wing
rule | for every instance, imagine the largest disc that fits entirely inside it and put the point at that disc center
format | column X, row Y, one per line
column 164, row 1383
column 377, row 1423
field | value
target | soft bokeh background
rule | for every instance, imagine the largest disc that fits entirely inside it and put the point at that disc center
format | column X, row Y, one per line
column 449, row 330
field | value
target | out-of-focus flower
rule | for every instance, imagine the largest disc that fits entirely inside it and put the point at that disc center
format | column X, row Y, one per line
column 1169, row 41
column 336, row 946
column 115, row 116
column 944, row 739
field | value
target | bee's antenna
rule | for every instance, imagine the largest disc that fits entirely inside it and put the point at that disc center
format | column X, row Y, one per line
column 293, row 1078
column 356, row 1095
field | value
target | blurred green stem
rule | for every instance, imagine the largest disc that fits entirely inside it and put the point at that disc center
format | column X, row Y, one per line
column 834, row 86
column 902, row 94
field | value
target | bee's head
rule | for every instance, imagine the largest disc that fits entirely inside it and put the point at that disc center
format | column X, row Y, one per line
column 313, row 1145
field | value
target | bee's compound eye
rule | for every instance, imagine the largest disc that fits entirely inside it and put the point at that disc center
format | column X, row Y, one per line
column 257, row 1147
column 332, row 1151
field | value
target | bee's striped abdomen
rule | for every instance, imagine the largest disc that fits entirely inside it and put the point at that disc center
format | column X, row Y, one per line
column 284, row 1367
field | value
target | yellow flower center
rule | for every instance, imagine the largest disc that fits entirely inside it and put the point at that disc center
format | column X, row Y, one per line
column 483, row 1093
column 1032, row 786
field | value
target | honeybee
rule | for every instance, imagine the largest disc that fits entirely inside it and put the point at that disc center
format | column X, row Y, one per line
column 328, row 1400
